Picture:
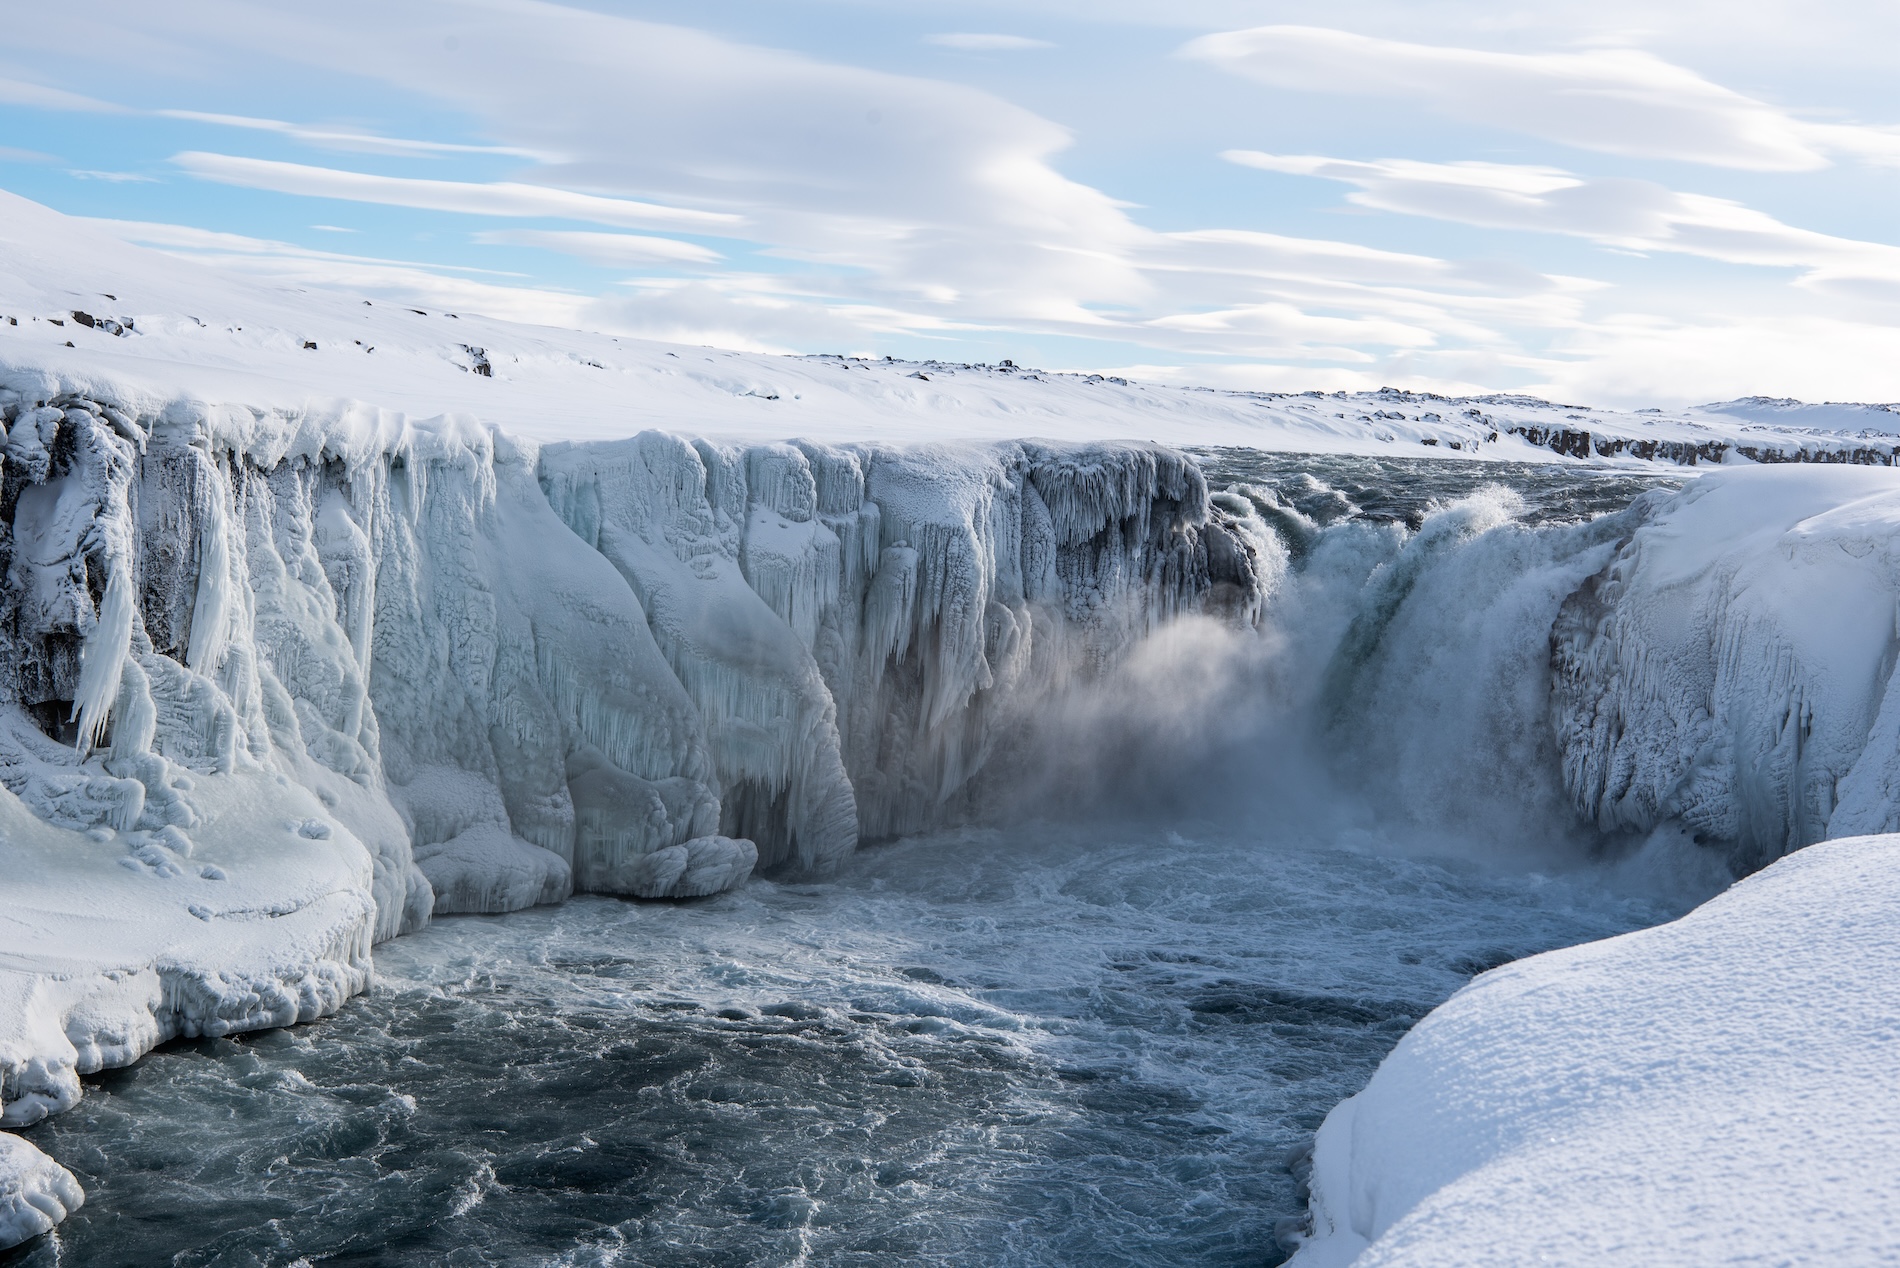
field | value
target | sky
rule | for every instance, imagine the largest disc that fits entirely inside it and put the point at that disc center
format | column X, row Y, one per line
column 1608, row 203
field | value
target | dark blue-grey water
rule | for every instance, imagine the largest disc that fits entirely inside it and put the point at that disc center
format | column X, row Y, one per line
column 1035, row 1045
column 984, row 1048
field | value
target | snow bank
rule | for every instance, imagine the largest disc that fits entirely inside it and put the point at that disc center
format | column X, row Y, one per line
column 1729, row 669
column 1715, row 1090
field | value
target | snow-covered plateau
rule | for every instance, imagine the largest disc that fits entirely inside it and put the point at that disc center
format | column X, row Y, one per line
column 324, row 616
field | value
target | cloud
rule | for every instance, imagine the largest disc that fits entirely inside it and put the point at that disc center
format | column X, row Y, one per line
column 468, row 198
column 894, row 203
column 327, row 138
column 1627, row 214
column 613, row 249
column 114, row 178
column 18, row 92
column 973, row 42
column 1615, row 100
column 912, row 190
column 1637, row 359
column 190, row 238
column 899, row 206
column 432, row 284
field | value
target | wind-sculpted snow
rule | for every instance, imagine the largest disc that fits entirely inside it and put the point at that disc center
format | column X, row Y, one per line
column 282, row 684
column 1713, row 1091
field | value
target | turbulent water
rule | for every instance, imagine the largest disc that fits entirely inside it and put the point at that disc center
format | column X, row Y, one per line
column 1040, row 1044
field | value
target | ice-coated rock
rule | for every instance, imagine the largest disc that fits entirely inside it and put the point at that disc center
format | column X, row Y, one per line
column 1731, row 668
column 35, row 1192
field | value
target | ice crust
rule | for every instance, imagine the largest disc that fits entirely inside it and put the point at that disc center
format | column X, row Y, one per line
column 1717, row 1090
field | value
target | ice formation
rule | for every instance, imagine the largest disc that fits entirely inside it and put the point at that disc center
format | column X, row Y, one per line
column 1715, row 1090
column 282, row 684
column 1729, row 671
column 35, row 1192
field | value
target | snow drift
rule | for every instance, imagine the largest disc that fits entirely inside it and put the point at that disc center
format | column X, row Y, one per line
column 1715, row 1090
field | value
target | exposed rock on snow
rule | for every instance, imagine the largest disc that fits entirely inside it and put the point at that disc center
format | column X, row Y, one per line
column 1716, row 1090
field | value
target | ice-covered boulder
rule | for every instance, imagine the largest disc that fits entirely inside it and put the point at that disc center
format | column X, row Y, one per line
column 35, row 1192
column 1715, row 1090
column 1730, row 668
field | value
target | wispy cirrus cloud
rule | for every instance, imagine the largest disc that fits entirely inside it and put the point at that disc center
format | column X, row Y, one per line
column 1632, row 215
column 980, row 42
column 20, row 92
column 343, row 139
column 614, row 249
column 501, row 198
column 1613, row 100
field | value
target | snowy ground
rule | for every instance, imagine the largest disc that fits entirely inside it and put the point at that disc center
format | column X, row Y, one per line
column 168, row 327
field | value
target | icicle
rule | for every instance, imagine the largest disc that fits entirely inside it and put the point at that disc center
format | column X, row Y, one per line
column 102, row 661
column 210, row 623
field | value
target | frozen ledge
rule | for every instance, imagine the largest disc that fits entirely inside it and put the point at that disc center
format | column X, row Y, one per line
column 1714, row 1090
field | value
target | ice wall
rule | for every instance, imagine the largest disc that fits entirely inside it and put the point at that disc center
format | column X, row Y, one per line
column 1729, row 670
column 860, row 627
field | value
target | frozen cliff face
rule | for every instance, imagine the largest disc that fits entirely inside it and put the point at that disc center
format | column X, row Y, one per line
column 860, row 627
column 792, row 644
column 1730, row 667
